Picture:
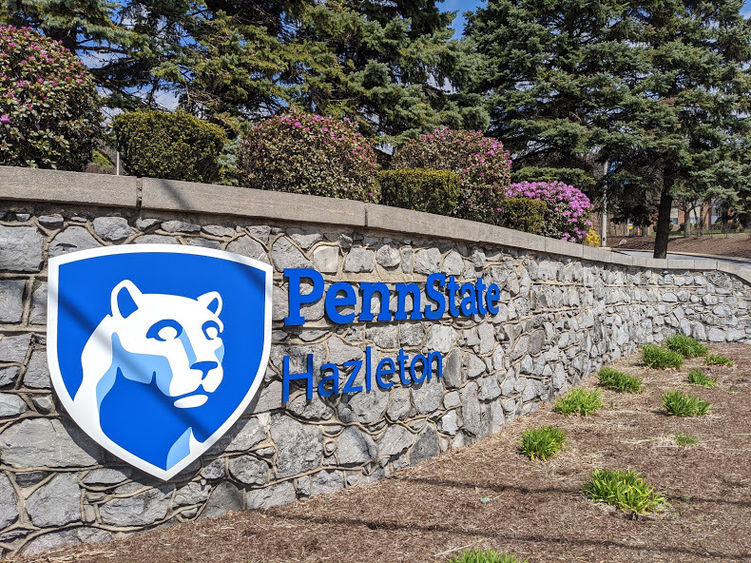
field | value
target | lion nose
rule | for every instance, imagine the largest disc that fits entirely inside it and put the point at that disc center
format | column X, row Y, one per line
column 205, row 367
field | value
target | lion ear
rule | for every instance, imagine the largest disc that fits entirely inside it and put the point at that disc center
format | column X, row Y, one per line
column 124, row 299
column 212, row 301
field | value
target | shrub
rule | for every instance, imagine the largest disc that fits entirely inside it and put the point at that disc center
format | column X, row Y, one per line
column 421, row 189
column 718, row 360
column 686, row 346
column 542, row 443
column 523, row 214
column 660, row 358
column 680, row 404
column 579, row 401
column 592, row 238
column 308, row 154
column 482, row 163
column 618, row 381
column 484, row 556
column 175, row 146
column 625, row 490
column 685, row 439
column 49, row 107
column 698, row 377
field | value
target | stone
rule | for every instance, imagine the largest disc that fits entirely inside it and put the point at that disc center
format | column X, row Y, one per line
column 475, row 366
column 304, row 239
column 11, row 405
column 57, row 502
column 411, row 334
column 218, row 231
column 141, row 509
column 365, row 407
column 72, row 536
column 426, row 445
column 8, row 375
column 313, row 409
column 339, row 352
column 388, row 257
column 326, row 482
column 51, row 221
column 223, row 498
column 359, row 260
column 107, row 476
column 192, row 493
column 451, row 400
column 38, row 314
column 35, row 442
column 205, row 243
column 72, row 239
column 8, row 502
column 20, row 249
column 156, row 239
column 453, row 373
column 471, row 412
column 260, row 232
column 245, row 434
column 275, row 495
column 270, row 397
column 286, row 255
column 11, row 300
column 326, row 259
column 248, row 470
column 299, row 447
column 386, row 336
column 427, row 261
column 13, row 347
column 180, row 227
column 441, row 338
column 453, row 264
column 427, row 396
column 37, row 375
column 489, row 388
column 450, row 423
column 249, row 247
column 400, row 406
column 112, row 228
column 214, row 470
column 487, row 338
column 354, row 447
column 396, row 440
column 145, row 224
column 715, row 334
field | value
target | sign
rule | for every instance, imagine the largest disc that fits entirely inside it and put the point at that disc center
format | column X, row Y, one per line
column 156, row 350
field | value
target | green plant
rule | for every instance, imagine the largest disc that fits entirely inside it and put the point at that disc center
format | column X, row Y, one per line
column 542, row 443
column 618, row 381
column 698, row 377
column 579, row 401
column 681, row 404
column 484, row 556
column 685, row 439
column 523, row 214
column 660, row 358
column 308, row 154
column 175, row 146
column 686, row 346
column 421, row 189
column 49, row 107
column 625, row 490
column 718, row 360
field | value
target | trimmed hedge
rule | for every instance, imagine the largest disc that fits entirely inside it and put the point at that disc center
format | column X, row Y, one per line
column 523, row 214
column 421, row 189
column 176, row 146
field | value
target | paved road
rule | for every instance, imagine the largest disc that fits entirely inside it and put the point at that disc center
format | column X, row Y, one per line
column 731, row 260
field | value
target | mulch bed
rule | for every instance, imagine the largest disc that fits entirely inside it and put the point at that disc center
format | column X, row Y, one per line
column 737, row 245
column 536, row 510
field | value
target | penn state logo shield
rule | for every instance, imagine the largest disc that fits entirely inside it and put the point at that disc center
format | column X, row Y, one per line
column 156, row 350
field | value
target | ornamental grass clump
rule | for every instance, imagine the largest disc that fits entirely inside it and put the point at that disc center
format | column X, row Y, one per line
column 685, row 439
column 484, row 556
column 626, row 490
column 49, row 106
column 308, row 154
column 618, row 381
column 698, row 377
column 718, row 360
column 660, row 358
column 579, row 402
column 686, row 346
column 542, row 443
column 682, row 404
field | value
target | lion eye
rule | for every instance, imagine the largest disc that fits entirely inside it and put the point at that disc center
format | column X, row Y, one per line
column 211, row 330
column 164, row 330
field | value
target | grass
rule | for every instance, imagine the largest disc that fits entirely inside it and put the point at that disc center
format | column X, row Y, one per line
column 718, row 360
column 542, row 443
column 660, row 358
column 686, row 346
column 484, row 556
column 618, row 381
column 625, row 490
column 681, row 404
column 685, row 439
column 698, row 377
column 579, row 401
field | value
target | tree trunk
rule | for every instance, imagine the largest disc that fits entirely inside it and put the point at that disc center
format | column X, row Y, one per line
column 663, row 224
column 687, row 224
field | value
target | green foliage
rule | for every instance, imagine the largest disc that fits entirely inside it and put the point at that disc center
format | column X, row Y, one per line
column 618, row 381
column 685, row 439
column 681, row 404
column 718, row 360
column 482, row 163
column 660, row 358
column 308, row 154
column 484, row 556
column 579, row 401
column 625, row 490
column 698, row 377
column 571, row 176
column 175, row 146
column 421, row 189
column 686, row 346
column 49, row 108
column 542, row 443
column 523, row 214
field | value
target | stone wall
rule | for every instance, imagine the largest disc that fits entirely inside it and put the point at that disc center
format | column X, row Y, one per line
column 565, row 311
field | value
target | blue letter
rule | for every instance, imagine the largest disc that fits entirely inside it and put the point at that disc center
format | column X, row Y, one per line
column 348, row 387
column 492, row 298
column 435, row 295
column 468, row 305
column 333, row 301
column 334, row 378
column 296, row 299
column 452, row 286
column 385, row 367
column 404, row 289
column 402, row 357
column 287, row 377
column 480, row 287
column 425, row 367
column 435, row 356
column 368, row 289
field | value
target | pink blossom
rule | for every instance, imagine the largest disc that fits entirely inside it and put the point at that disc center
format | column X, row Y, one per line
column 4, row 119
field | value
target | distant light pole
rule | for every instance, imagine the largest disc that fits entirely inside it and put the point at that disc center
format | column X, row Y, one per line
column 604, row 226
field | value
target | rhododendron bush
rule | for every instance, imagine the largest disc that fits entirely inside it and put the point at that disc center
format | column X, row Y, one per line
column 49, row 107
column 567, row 215
column 308, row 154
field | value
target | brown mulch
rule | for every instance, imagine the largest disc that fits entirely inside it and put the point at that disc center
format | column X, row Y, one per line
column 535, row 509
column 736, row 245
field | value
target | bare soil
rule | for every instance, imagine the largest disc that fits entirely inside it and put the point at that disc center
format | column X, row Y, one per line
column 737, row 244
column 535, row 509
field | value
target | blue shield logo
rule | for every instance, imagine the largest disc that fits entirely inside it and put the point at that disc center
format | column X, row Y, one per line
column 156, row 350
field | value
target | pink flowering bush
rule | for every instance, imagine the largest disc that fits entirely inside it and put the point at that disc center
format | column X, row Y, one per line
column 567, row 214
column 49, row 107
column 483, row 165
column 308, row 154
